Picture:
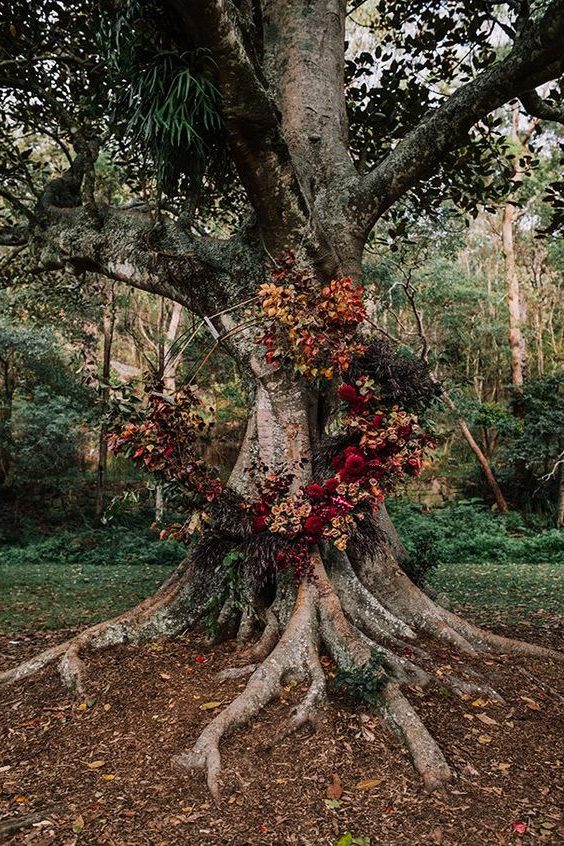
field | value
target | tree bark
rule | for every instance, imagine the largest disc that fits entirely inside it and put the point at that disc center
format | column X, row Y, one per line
column 108, row 323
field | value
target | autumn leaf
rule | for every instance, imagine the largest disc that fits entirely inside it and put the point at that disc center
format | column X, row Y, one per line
column 487, row 720
column 94, row 765
column 369, row 783
column 485, row 738
column 164, row 676
column 108, row 777
column 200, row 659
column 78, row 824
column 209, row 706
column 519, row 827
column 335, row 788
column 534, row 706
column 332, row 804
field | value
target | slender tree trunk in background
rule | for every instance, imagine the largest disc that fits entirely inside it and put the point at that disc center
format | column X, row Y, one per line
column 500, row 500
column 108, row 336
column 516, row 340
column 6, row 402
column 560, row 505
column 514, row 296
column 167, row 366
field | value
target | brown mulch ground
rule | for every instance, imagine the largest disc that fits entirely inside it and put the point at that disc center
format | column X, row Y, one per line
column 101, row 774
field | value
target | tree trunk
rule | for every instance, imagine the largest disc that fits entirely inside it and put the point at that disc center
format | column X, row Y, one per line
column 500, row 500
column 109, row 318
column 516, row 339
column 560, row 505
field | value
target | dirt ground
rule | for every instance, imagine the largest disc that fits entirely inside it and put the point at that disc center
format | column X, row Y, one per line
column 98, row 772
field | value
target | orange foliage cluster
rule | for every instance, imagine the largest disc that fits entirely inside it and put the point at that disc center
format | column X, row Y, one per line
column 312, row 325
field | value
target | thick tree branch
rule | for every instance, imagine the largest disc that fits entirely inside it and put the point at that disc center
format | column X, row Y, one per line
column 161, row 257
column 17, row 204
column 535, row 58
column 537, row 107
column 251, row 118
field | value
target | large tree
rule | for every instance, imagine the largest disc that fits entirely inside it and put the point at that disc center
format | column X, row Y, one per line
column 255, row 120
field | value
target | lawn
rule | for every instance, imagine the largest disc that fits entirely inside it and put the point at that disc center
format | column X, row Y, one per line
column 51, row 595
column 503, row 592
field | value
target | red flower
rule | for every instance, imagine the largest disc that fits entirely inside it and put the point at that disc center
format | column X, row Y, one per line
column 348, row 393
column 338, row 461
column 352, row 450
column 315, row 492
column 313, row 525
column 200, row 659
column 355, row 465
column 331, row 485
column 259, row 523
column 377, row 420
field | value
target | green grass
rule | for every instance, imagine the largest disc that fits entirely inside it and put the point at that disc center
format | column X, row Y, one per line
column 506, row 592
column 52, row 595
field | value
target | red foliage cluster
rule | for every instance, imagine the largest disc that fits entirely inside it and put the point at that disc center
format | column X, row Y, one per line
column 312, row 325
column 163, row 442
column 390, row 446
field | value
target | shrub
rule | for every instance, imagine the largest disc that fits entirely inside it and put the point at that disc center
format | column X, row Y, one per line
column 116, row 546
column 467, row 532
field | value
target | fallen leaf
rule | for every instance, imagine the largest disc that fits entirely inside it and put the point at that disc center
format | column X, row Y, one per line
column 485, row 719
column 21, row 799
column 369, row 783
column 164, row 676
column 503, row 766
column 78, row 824
column 534, row 706
column 94, row 765
column 480, row 703
column 519, row 827
column 200, row 659
column 107, row 706
column 332, row 804
column 485, row 738
column 83, row 706
column 209, row 706
column 335, row 788
column 437, row 835
column 108, row 776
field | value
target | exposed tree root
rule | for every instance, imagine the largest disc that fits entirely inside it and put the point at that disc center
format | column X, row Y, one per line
column 293, row 653
column 427, row 757
column 350, row 613
column 383, row 578
column 151, row 618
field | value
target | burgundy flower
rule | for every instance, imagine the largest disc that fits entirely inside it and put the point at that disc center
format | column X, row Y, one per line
column 348, row 393
column 259, row 523
column 355, row 465
column 315, row 492
column 331, row 485
column 313, row 525
column 352, row 450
